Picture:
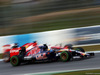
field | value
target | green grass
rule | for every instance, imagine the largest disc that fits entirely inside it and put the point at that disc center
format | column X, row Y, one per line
column 48, row 26
column 91, row 48
column 88, row 72
column 39, row 27
column 62, row 21
column 0, row 56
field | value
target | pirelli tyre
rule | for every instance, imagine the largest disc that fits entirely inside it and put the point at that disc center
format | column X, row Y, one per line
column 15, row 60
column 6, row 57
column 80, row 49
column 65, row 56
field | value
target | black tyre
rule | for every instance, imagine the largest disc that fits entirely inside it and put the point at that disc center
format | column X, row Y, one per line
column 6, row 57
column 80, row 49
column 15, row 60
column 70, row 46
column 65, row 56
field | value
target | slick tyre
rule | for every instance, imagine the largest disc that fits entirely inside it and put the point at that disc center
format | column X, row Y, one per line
column 15, row 61
column 65, row 56
column 6, row 57
column 80, row 49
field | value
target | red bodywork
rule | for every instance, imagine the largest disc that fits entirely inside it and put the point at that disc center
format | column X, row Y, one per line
column 36, row 52
column 33, row 51
column 15, row 51
column 6, row 48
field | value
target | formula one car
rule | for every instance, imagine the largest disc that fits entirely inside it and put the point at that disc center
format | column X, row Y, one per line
column 9, row 48
column 42, row 53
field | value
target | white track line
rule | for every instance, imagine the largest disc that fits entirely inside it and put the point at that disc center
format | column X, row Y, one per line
column 1, row 59
column 55, row 72
column 93, row 51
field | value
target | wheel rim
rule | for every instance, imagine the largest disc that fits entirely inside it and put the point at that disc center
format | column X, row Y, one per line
column 14, row 60
column 64, row 56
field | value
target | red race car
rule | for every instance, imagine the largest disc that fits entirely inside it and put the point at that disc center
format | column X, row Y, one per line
column 13, row 49
column 43, row 53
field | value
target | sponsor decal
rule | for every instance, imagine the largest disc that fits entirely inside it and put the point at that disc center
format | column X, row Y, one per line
column 12, row 51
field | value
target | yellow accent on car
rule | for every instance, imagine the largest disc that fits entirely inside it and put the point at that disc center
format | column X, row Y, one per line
column 48, row 49
column 26, row 46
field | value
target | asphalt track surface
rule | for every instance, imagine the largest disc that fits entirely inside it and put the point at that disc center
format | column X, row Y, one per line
column 8, row 69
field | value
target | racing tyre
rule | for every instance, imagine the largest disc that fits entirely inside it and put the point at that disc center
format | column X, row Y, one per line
column 69, row 46
column 15, row 60
column 6, row 57
column 80, row 49
column 65, row 56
